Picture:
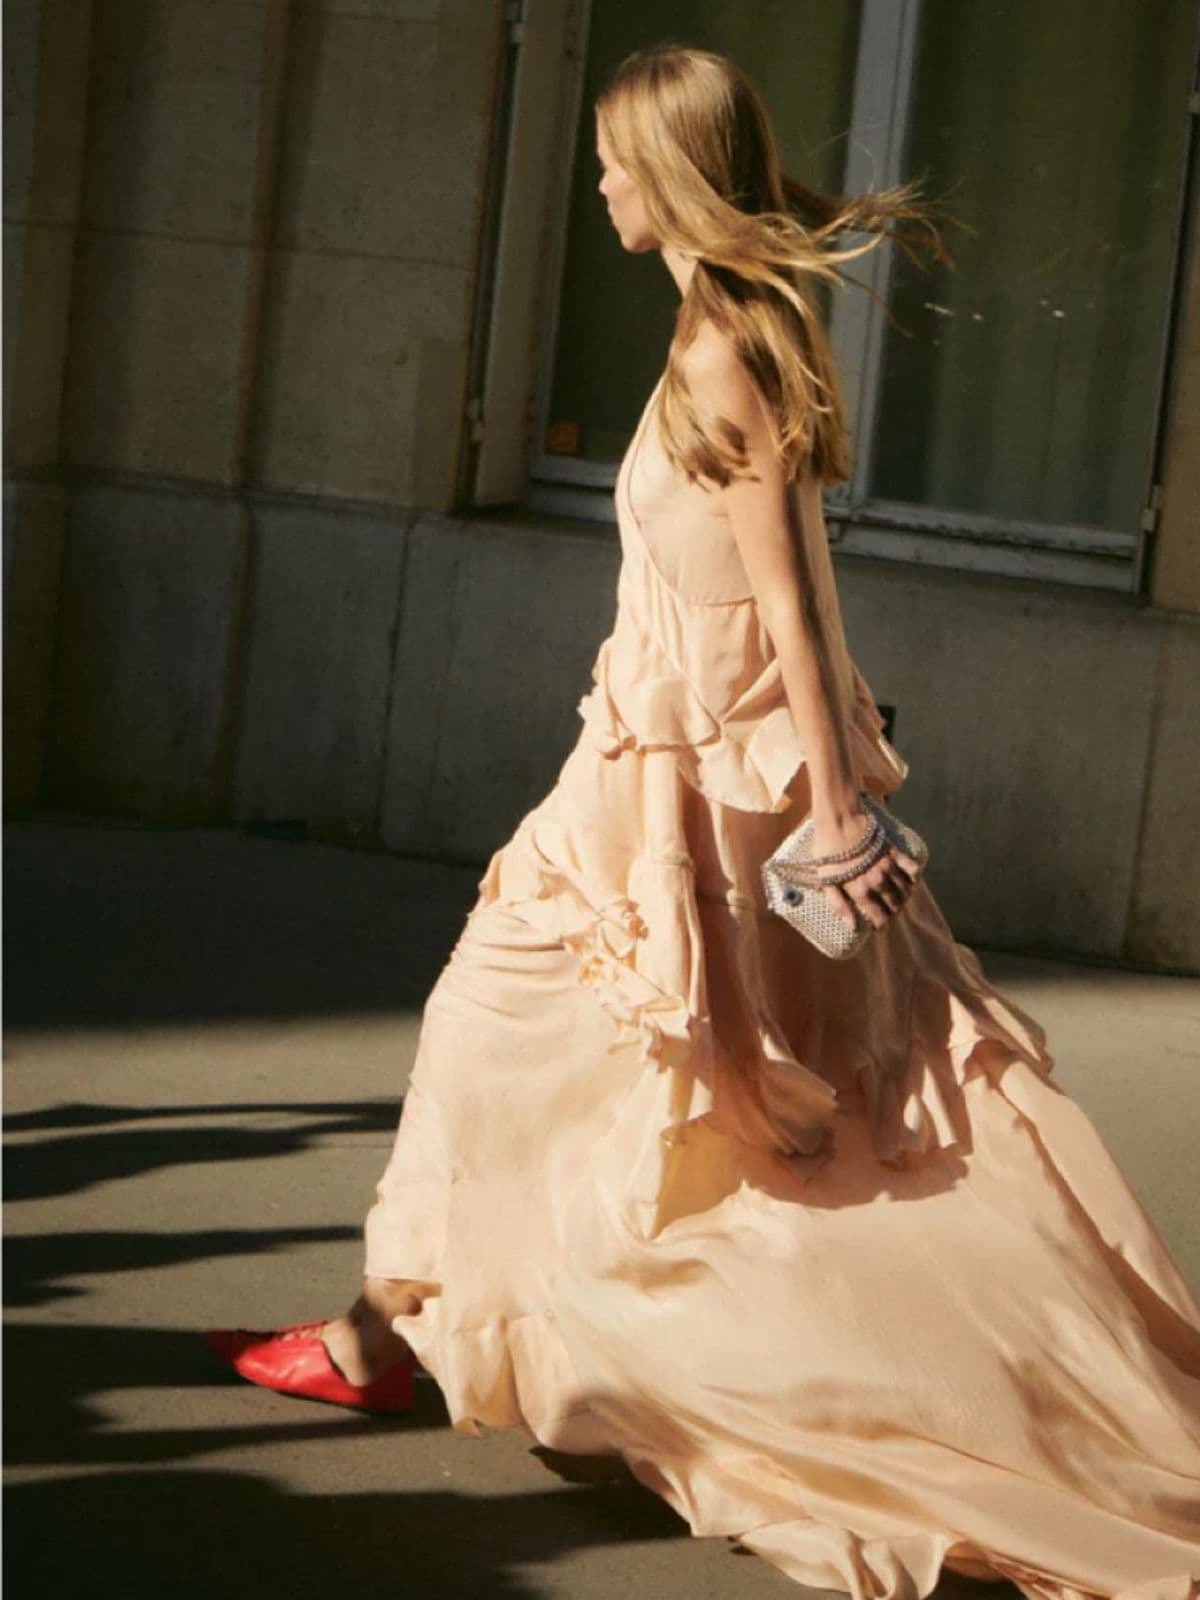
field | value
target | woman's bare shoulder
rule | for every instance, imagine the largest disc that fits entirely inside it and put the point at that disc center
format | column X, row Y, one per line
column 718, row 379
column 710, row 354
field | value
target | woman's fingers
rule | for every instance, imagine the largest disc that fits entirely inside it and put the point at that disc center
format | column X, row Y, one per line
column 842, row 904
column 892, row 892
column 865, row 896
column 908, row 864
column 903, row 880
column 879, row 893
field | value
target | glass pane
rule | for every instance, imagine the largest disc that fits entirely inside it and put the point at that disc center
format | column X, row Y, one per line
column 1026, row 383
column 617, row 310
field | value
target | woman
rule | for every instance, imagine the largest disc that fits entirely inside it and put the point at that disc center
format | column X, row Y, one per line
column 818, row 1247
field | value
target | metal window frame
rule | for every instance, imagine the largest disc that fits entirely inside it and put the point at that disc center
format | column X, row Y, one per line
column 859, row 523
column 879, row 117
column 515, row 317
column 544, row 467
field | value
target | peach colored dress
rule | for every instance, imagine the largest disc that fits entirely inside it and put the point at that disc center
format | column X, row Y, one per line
column 820, row 1248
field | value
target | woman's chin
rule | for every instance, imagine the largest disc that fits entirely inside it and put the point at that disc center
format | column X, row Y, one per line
column 635, row 243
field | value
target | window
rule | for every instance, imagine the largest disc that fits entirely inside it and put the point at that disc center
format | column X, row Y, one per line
column 1006, row 417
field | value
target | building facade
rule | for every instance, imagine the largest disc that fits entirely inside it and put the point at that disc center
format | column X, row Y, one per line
column 320, row 354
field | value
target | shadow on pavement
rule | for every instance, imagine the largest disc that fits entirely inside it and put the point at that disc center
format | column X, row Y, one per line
column 70, row 1161
column 106, row 926
column 218, row 1535
column 37, row 1265
column 222, row 1536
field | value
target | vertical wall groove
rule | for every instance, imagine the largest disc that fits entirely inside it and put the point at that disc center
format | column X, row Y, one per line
column 272, row 111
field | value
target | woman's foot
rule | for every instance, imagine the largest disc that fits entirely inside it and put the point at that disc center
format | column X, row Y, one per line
column 297, row 1361
column 355, row 1360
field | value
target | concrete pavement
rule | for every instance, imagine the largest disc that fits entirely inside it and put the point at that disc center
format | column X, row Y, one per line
column 208, row 1037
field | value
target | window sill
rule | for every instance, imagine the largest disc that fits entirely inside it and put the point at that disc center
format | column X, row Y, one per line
column 967, row 555
column 949, row 574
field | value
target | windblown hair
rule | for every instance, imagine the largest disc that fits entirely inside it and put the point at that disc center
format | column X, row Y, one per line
column 691, row 130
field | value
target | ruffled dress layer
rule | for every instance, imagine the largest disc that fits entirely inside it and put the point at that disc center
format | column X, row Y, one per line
column 819, row 1248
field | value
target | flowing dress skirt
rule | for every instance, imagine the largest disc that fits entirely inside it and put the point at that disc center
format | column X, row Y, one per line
column 819, row 1248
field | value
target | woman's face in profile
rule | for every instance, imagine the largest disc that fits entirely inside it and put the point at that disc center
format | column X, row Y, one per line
column 624, row 200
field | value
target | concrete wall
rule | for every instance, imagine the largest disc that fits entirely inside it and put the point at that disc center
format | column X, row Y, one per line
column 241, row 238
column 239, row 244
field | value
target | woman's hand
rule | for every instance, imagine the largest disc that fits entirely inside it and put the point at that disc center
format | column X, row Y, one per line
column 880, row 891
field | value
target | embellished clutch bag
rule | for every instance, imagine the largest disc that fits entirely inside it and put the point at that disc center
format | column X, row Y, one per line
column 789, row 879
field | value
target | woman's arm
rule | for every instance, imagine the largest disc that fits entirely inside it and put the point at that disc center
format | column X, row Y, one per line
column 760, row 514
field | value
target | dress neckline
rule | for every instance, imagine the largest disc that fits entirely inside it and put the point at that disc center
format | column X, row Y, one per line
column 624, row 488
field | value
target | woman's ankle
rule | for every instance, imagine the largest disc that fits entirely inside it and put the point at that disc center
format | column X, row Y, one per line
column 360, row 1360
column 362, row 1349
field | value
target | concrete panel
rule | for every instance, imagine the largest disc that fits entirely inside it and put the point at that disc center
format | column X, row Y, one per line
column 22, row 21
column 37, row 321
column 15, row 236
column 439, row 432
column 151, row 589
column 45, row 86
column 342, row 403
column 469, row 50
column 1164, row 922
column 34, row 519
column 1017, row 706
column 499, row 628
column 376, row 159
column 152, row 378
column 62, row 108
column 325, row 593
column 174, row 121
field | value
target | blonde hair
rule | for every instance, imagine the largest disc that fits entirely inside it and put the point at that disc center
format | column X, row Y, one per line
column 693, row 133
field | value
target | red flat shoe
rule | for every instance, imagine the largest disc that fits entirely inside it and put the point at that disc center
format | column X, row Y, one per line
column 295, row 1361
